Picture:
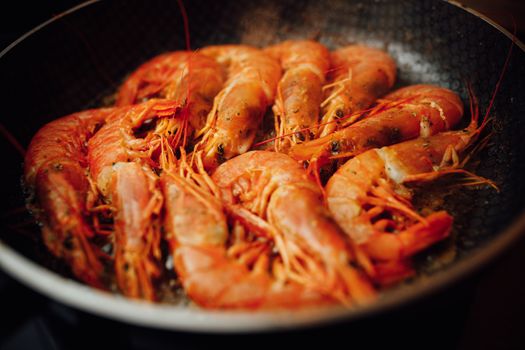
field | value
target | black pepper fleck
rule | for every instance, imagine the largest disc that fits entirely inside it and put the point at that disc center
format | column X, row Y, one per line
column 68, row 242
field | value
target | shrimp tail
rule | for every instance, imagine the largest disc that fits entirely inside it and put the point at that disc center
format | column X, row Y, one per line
column 386, row 246
column 393, row 271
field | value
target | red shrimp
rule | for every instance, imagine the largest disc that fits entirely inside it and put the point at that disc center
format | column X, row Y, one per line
column 276, row 188
column 55, row 173
column 240, row 106
column 197, row 230
column 360, row 75
column 410, row 112
column 299, row 93
column 121, row 167
column 368, row 198
column 189, row 78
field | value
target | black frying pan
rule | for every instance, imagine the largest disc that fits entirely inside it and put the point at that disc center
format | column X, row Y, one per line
column 74, row 61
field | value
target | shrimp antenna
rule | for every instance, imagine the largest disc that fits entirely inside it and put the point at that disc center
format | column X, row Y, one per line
column 186, row 23
column 502, row 74
column 12, row 140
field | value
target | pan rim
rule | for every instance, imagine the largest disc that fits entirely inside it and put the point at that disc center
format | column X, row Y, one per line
column 170, row 317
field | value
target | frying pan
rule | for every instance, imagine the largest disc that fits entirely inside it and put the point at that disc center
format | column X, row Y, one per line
column 79, row 58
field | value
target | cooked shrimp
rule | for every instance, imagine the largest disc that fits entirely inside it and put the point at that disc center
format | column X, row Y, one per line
column 368, row 199
column 55, row 173
column 410, row 112
column 299, row 92
column 120, row 165
column 189, row 78
column 239, row 107
column 197, row 230
column 276, row 188
column 360, row 75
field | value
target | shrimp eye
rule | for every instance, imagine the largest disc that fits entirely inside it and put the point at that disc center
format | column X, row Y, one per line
column 394, row 135
column 335, row 146
column 68, row 242
column 220, row 149
column 339, row 114
column 157, row 171
column 220, row 153
column 300, row 136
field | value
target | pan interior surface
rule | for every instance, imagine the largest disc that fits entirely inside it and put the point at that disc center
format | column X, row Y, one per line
column 77, row 60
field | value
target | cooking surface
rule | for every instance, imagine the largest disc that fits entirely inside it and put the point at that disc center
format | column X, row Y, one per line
column 485, row 311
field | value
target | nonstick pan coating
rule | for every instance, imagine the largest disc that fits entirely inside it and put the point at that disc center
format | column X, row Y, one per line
column 78, row 59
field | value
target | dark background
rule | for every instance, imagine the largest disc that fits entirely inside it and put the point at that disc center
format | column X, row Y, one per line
column 485, row 311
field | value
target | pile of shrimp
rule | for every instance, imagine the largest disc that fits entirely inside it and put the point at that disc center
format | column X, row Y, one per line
column 181, row 180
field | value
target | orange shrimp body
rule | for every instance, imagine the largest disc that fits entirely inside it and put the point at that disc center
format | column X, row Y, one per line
column 187, row 77
column 368, row 200
column 299, row 93
column 312, row 246
column 239, row 107
column 360, row 75
column 197, row 230
column 360, row 191
column 55, row 172
column 410, row 112
column 120, row 165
